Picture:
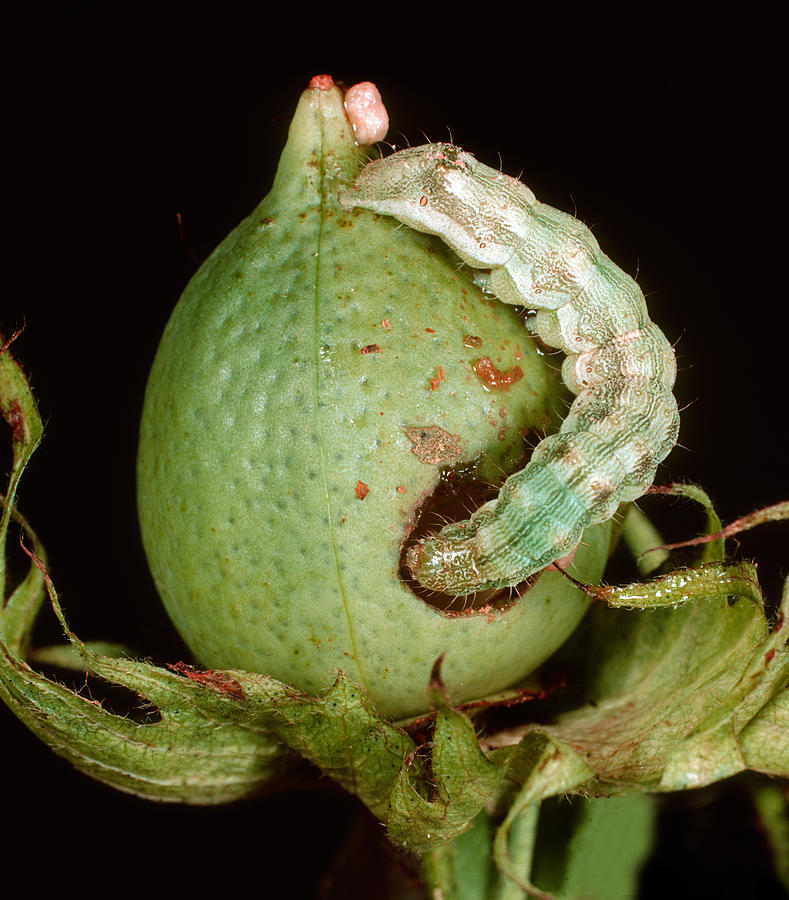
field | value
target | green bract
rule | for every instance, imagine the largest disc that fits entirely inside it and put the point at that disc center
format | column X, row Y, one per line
column 313, row 382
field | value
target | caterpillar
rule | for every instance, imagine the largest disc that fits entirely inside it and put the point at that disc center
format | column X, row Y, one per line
column 624, row 419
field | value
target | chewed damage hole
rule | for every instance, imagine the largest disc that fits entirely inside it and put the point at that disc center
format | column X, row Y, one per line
column 458, row 494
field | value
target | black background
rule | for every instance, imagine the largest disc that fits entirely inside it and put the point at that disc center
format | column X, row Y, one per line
column 666, row 137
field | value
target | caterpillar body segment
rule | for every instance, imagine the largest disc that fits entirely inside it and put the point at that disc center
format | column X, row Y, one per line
column 624, row 420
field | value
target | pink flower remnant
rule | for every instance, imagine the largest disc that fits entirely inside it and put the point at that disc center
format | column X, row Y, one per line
column 366, row 113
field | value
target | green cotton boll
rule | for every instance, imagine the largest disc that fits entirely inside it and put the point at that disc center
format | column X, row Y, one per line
column 322, row 375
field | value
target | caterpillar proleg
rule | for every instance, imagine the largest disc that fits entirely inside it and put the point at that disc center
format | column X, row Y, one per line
column 624, row 419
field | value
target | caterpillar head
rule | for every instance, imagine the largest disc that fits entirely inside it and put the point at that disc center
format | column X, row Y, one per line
column 437, row 189
column 445, row 565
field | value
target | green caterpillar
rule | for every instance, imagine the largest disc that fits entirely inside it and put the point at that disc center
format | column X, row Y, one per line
column 624, row 420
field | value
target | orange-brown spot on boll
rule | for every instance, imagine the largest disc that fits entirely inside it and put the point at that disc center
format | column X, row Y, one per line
column 493, row 378
column 435, row 382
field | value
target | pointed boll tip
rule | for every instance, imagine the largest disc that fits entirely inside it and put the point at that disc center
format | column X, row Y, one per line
column 321, row 82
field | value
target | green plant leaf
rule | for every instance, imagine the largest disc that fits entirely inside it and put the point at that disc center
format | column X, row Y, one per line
column 546, row 768
column 772, row 807
column 594, row 848
column 463, row 869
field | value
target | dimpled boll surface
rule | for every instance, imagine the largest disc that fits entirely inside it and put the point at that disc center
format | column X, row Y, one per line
column 302, row 355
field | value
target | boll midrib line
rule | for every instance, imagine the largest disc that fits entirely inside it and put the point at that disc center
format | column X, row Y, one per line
column 325, row 201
